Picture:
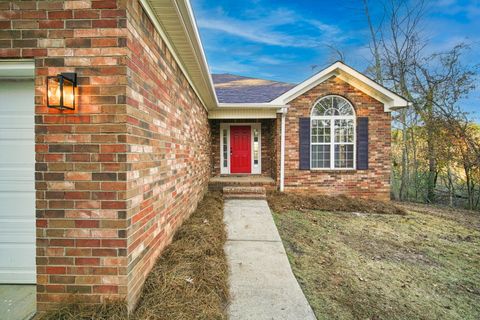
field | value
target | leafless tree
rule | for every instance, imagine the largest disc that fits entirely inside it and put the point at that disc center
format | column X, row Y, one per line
column 434, row 83
column 374, row 46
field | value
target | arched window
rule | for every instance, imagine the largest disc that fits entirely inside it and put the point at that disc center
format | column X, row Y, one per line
column 332, row 134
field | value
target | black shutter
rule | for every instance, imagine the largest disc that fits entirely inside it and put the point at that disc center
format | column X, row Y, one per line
column 304, row 140
column 362, row 143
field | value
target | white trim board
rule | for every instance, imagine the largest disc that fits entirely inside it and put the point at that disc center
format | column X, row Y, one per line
column 390, row 99
column 184, row 15
column 17, row 69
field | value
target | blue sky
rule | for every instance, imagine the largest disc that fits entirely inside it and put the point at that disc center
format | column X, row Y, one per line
column 283, row 40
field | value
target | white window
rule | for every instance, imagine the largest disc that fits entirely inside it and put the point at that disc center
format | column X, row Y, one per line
column 332, row 134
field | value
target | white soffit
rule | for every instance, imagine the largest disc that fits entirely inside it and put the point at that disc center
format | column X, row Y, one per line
column 175, row 22
column 390, row 99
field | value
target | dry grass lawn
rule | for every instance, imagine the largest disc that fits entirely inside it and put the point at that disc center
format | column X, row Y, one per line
column 423, row 265
column 189, row 280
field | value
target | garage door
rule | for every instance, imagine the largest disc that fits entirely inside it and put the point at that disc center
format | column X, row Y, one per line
column 17, row 189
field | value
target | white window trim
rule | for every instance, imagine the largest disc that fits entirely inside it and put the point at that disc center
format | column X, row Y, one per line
column 332, row 142
column 255, row 169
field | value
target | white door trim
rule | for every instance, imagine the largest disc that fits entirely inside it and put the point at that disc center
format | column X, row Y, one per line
column 256, row 168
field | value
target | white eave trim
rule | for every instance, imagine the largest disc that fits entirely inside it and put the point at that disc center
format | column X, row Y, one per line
column 186, row 17
column 197, row 45
column 390, row 99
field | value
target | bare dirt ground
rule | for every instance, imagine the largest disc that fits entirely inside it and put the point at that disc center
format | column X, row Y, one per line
column 356, row 265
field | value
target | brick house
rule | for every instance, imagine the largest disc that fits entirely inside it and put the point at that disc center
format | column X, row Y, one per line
column 91, row 196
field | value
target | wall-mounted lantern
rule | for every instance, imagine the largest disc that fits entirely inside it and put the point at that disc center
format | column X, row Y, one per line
column 61, row 91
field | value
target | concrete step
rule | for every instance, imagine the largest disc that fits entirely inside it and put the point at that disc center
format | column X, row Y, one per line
column 219, row 182
column 244, row 193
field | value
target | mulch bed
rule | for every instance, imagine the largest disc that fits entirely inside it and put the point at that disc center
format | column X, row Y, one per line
column 282, row 202
column 188, row 281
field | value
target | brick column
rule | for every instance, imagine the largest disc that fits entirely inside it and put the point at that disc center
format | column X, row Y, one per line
column 80, row 155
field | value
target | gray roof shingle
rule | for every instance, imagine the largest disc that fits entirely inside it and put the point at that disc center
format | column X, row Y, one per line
column 237, row 89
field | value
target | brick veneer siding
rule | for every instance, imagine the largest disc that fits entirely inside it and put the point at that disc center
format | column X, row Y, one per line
column 371, row 183
column 115, row 177
column 169, row 148
column 267, row 144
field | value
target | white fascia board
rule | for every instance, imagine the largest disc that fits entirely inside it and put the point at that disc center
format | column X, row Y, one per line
column 17, row 68
column 203, row 64
column 390, row 99
column 306, row 85
column 186, row 11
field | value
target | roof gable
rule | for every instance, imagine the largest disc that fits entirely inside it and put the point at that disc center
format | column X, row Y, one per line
column 390, row 99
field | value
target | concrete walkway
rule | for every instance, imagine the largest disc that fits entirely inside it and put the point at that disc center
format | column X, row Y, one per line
column 17, row 301
column 262, row 285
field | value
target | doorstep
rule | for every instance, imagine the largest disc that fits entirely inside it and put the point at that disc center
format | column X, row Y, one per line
column 219, row 182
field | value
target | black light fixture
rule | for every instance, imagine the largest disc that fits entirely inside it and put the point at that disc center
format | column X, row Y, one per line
column 61, row 91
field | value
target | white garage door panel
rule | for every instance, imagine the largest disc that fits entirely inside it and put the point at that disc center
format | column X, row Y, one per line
column 14, row 231
column 14, row 152
column 22, row 273
column 18, row 174
column 17, row 185
column 15, row 201
column 6, row 122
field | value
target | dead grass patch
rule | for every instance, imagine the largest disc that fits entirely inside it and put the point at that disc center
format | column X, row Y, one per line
column 385, row 266
column 468, row 218
column 281, row 202
column 189, row 280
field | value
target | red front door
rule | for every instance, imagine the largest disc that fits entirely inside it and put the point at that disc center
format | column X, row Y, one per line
column 240, row 149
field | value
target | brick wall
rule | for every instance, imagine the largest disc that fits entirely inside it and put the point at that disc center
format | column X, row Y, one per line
column 80, row 156
column 169, row 144
column 115, row 177
column 267, row 144
column 371, row 183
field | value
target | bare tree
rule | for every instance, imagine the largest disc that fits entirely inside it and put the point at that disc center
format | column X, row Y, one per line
column 435, row 84
column 396, row 50
column 374, row 46
column 440, row 81
column 336, row 54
